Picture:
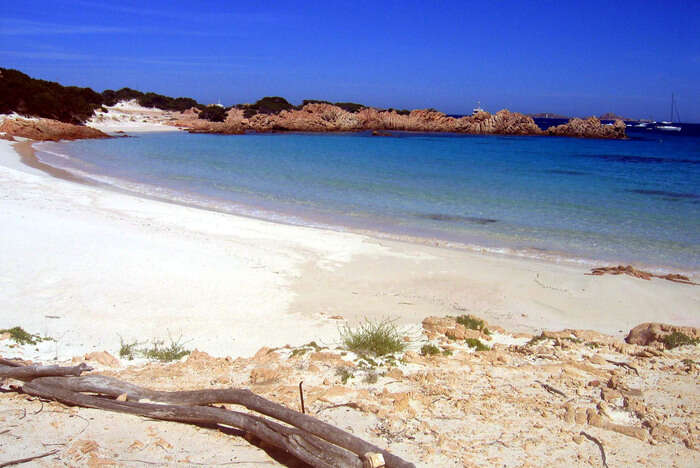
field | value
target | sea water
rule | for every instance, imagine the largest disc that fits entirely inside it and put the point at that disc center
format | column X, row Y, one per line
column 630, row 201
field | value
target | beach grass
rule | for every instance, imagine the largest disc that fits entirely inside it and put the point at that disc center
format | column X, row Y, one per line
column 20, row 336
column 373, row 338
column 473, row 323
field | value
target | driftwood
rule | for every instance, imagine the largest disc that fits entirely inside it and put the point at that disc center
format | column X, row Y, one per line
column 28, row 459
column 310, row 440
column 631, row 271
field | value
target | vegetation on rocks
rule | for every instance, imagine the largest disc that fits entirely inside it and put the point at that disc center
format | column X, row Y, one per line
column 373, row 338
column 675, row 339
column 477, row 344
column 213, row 114
column 28, row 96
column 157, row 350
column 473, row 323
column 20, row 336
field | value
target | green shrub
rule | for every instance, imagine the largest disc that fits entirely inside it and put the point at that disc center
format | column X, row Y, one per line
column 373, row 338
column 675, row 339
column 537, row 339
column 371, row 378
column 345, row 374
column 160, row 352
column 127, row 350
column 213, row 114
column 20, row 336
column 473, row 323
column 429, row 350
column 157, row 350
column 476, row 343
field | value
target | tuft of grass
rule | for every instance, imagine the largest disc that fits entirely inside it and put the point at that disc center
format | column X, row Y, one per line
column 345, row 374
column 127, row 350
column 20, row 336
column 573, row 339
column 593, row 344
column 429, row 350
column 447, row 352
column 473, row 323
column 537, row 339
column 373, row 338
column 675, row 339
column 160, row 352
column 371, row 378
column 475, row 343
column 157, row 350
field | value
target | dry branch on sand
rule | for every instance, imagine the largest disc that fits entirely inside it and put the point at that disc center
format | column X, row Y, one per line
column 631, row 271
column 306, row 438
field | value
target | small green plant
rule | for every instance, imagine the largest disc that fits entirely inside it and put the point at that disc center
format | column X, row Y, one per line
column 345, row 374
column 476, row 343
column 675, row 339
column 299, row 352
column 127, row 350
column 429, row 350
column 593, row 344
column 371, row 378
column 373, row 338
column 447, row 352
column 160, row 352
column 20, row 336
column 473, row 323
column 537, row 339
column 573, row 339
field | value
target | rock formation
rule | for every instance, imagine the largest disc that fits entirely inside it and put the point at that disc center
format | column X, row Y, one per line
column 589, row 128
column 325, row 117
column 48, row 130
column 648, row 333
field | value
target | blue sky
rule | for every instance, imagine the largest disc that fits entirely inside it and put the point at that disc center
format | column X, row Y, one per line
column 574, row 58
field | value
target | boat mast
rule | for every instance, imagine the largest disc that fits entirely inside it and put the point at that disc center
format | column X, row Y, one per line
column 672, row 98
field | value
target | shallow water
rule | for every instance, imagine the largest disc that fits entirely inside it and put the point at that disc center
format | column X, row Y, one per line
column 636, row 200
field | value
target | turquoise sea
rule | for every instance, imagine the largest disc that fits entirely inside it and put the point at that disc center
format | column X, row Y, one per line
column 632, row 201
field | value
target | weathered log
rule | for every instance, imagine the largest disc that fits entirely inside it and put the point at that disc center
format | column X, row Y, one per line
column 29, row 373
column 113, row 387
column 312, row 450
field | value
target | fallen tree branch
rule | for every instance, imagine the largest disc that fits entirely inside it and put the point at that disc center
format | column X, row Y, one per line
column 600, row 446
column 310, row 440
column 625, row 365
column 28, row 459
column 113, row 387
column 551, row 389
column 631, row 271
column 311, row 450
column 29, row 373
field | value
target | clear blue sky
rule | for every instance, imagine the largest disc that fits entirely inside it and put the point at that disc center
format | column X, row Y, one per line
column 574, row 58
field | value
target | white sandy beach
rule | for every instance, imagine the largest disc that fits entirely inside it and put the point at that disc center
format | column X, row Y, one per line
column 88, row 266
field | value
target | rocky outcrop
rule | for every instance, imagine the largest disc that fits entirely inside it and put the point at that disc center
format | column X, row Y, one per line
column 325, row 117
column 588, row 128
column 651, row 332
column 48, row 130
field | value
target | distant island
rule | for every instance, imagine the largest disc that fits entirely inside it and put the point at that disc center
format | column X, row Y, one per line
column 27, row 96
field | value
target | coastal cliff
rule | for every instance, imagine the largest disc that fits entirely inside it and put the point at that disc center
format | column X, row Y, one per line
column 323, row 117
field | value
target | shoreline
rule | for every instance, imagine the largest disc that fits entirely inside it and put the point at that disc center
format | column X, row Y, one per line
column 104, row 260
column 499, row 251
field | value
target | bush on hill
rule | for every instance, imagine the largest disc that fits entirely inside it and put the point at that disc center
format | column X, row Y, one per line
column 213, row 113
column 350, row 106
column 28, row 96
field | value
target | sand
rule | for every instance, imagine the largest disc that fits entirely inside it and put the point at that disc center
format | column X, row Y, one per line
column 90, row 267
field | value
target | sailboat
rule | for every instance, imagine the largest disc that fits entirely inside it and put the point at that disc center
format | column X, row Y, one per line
column 668, row 126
